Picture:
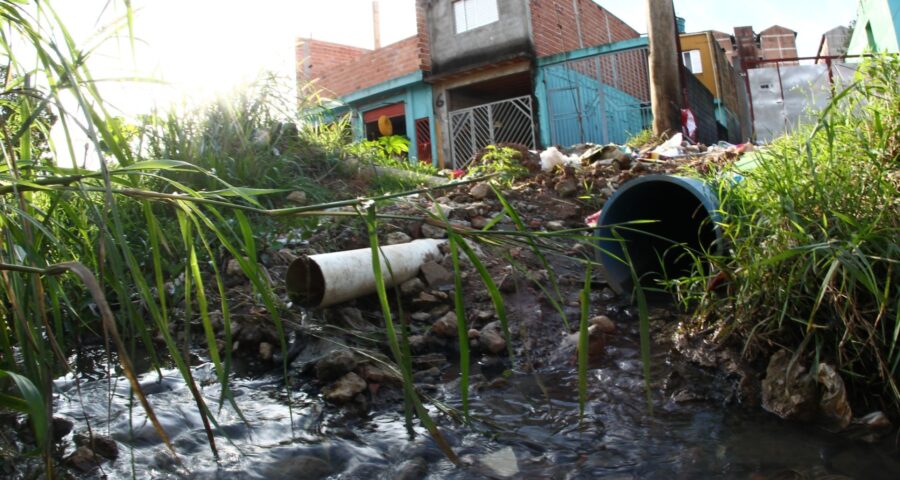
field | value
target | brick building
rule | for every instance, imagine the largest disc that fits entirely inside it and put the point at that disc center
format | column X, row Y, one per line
column 470, row 76
column 773, row 43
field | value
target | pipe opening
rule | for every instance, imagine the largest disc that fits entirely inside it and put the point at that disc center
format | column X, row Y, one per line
column 683, row 212
column 305, row 282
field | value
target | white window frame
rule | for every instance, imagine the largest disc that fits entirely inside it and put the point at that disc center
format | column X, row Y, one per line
column 693, row 61
column 471, row 14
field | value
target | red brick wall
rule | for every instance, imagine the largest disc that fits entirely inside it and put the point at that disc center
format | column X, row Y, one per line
column 315, row 56
column 339, row 69
column 372, row 68
column 555, row 31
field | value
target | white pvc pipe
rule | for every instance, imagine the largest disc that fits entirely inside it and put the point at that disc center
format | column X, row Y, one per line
column 331, row 278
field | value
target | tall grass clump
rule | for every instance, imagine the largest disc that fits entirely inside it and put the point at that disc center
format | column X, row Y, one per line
column 249, row 137
column 85, row 255
column 812, row 233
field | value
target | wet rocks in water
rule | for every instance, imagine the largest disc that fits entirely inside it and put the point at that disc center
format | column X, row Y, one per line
column 412, row 469
column 378, row 374
column 266, row 351
column 60, row 427
column 336, row 364
column 83, row 459
column 412, row 287
column 604, row 324
column 103, row 446
column 446, row 326
column 396, row 238
column 345, row 389
column 788, row 390
column 870, row 428
column 834, row 408
column 436, row 275
column 491, row 338
column 299, row 467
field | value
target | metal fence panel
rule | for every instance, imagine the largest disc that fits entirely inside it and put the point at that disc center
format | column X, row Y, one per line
column 506, row 121
column 604, row 98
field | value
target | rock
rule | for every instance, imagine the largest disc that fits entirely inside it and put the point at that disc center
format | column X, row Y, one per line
column 473, row 333
column 411, row 287
column 283, row 257
column 833, row 405
column 428, row 361
column 421, row 316
column 297, row 197
column 396, row 238
column 425, row 375
column 412, row 469
column 379, row 374
column 335, row 365
column 430, row 231
column 479, row 222
column 440, row 208
column 418, row 343
column 300, row 467
column 555, row 225
column 480, row 191
column 508, row 284
column 100, row 445
column 566, row 187
column 234, row 268
column 439, row 310
column 266, row 351
column 426, row 300
column 83, row 459
column 491, row 338
column 788, row 391
column 446, row 326
column 60, row 427
column 436, row 275
column 604, row 324
column 345, row 389
column 871, row 428
column 502, row 463
column 352, row 318
column 567, row 351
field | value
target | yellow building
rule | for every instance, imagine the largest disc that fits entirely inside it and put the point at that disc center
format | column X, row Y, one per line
column 704, row 57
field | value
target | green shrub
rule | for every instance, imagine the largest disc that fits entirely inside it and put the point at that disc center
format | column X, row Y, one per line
column 812, row 237
column 504, row 162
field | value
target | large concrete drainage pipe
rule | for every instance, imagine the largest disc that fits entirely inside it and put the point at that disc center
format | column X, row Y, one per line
column 684, row 215
column 331, row 278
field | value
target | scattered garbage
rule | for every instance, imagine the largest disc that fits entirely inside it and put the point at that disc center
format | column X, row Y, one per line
column 552, row 158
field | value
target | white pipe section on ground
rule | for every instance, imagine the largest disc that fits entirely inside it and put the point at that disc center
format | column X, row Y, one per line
column 331, row 278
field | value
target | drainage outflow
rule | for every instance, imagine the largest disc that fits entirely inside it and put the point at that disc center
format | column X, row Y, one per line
column 684, row 216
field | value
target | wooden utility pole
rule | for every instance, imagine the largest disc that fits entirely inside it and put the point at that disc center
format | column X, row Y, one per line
column 665, row 84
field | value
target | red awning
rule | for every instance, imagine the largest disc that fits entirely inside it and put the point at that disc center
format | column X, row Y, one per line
column 390, row 111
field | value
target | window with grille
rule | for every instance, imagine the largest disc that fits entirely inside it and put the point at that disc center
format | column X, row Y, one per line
column 423, row 139
column 471, row 14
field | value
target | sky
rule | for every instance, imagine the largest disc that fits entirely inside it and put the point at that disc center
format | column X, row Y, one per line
column 204, row 47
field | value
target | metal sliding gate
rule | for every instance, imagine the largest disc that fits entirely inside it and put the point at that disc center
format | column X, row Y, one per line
column 600, row 98
column 506, row 121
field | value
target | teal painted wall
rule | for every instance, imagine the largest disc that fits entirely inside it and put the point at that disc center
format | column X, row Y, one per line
column 877, row 21
column 417, row 101
column 575, row 108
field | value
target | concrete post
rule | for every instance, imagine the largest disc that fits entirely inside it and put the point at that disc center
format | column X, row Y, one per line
column 665, row 84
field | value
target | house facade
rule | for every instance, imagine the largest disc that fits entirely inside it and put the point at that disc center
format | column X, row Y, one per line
column 703, row 56
column 877, row 27
column 481, row 72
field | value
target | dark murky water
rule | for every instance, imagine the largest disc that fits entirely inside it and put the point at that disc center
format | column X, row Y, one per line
column 526, row 426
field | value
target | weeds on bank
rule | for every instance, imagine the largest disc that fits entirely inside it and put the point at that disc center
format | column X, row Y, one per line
column 811, row 234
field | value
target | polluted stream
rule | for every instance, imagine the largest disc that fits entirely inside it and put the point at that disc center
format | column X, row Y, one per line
column 524, row 425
